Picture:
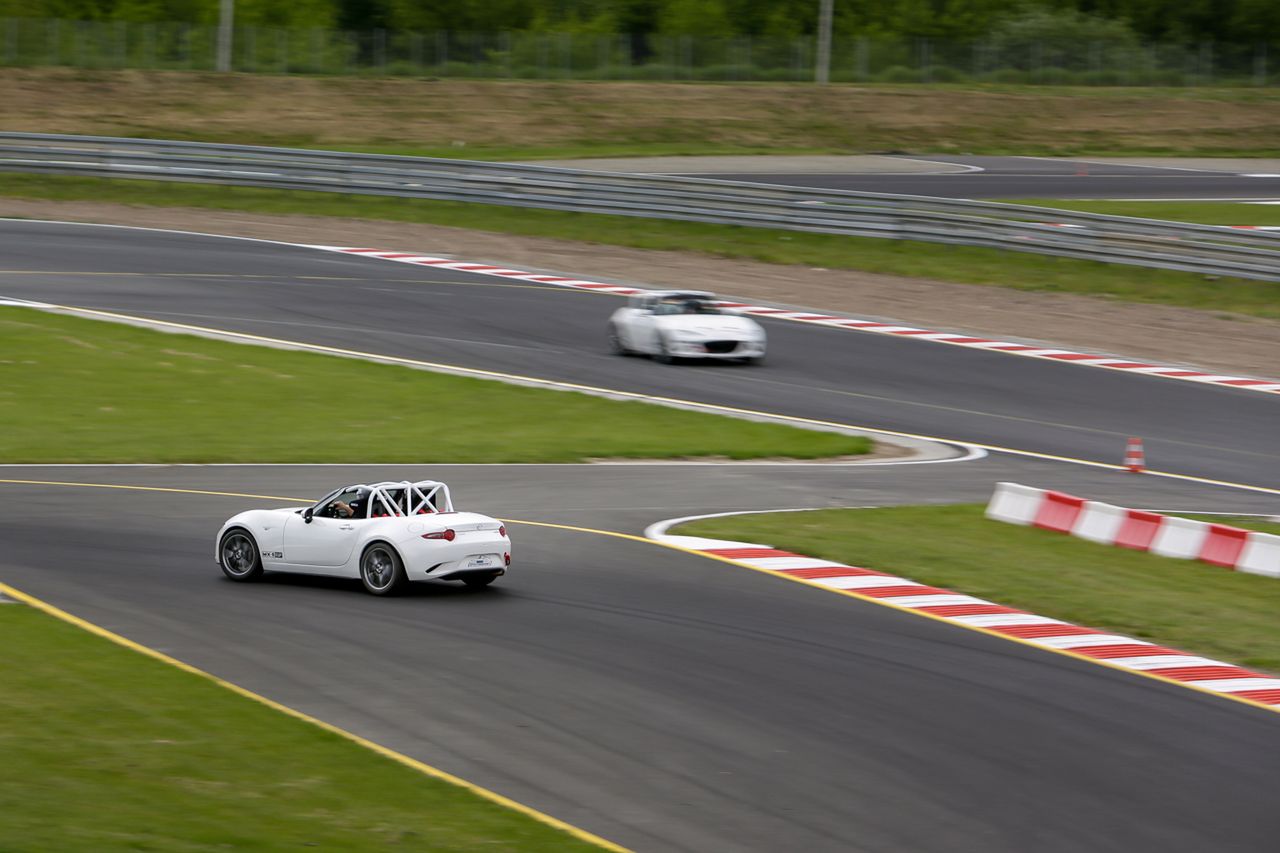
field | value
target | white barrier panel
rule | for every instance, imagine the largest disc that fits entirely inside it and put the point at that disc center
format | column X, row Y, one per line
column 1261, row 555
column 1099, row 522
column 1179, row 537
column 1014, row 503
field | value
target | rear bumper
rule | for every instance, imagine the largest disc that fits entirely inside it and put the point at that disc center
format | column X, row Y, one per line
column 468, row 554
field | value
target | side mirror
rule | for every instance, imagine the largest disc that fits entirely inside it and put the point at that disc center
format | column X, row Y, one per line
column 307, row 513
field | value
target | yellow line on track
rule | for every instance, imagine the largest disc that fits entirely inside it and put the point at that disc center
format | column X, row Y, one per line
column 151, row 489
column 400, row 758
column 633, row 395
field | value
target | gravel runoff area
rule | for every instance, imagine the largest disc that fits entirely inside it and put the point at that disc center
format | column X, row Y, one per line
column 1217, row 341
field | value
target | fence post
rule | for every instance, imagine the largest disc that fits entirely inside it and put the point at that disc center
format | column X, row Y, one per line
column 226, row 32
column 822, row 69
column 1260, row 65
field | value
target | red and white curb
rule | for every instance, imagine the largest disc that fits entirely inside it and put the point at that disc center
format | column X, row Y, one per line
column 836, row 321
column 967, row 611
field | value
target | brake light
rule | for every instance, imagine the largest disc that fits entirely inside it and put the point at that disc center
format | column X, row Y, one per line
column 506, row 559
column 447, row 535
column 502, row 530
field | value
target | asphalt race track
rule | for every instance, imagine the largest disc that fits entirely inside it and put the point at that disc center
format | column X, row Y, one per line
column 1035, row 177
column 540, row 330
column 660, row 699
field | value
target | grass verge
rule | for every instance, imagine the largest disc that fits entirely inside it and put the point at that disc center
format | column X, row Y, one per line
column 107, row 750
column 76, row 390
column 1203, row 212
column 965, row 264
column 1184, row 604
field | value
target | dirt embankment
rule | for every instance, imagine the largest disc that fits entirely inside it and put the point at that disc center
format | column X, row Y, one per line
column 419, row 113
column 1233, row 344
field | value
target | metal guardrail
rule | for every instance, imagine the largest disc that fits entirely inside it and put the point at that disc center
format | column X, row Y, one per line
column 1207, row 249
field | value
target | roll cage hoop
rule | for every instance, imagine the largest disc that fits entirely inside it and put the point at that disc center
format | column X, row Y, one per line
column 391, row 498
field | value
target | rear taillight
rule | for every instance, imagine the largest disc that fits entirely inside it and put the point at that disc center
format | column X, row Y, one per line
column 502, row 530
column 447, row 535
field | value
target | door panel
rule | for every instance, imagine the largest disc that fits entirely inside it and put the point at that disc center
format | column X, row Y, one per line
column 324, row 544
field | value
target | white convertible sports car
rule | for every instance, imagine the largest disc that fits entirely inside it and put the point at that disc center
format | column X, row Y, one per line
column 673, row 324
column 386, row 534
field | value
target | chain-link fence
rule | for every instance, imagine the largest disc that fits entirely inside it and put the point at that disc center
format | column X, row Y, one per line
column 572, row 56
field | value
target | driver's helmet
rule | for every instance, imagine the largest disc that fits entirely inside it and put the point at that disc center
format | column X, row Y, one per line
column 359, row 504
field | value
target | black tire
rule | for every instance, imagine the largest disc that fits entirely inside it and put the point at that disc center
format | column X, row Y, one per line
column 238, row 555
column 381, row 570
column 664, row 355
column 479, row 581
column 615, row 342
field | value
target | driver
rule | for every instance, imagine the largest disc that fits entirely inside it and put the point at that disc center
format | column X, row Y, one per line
column 352, row 509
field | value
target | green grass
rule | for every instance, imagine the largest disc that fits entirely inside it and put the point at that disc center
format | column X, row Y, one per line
column 76, row 390
column 987, row 145
column 1204, row 212
column 971, row 265
column 107, row 750
column 1184, row 604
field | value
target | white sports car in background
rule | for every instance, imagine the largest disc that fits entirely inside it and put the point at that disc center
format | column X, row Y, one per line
column 672, row 324
column 385, row 534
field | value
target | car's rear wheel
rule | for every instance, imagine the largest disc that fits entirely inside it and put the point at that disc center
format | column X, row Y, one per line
column 381, row 571
column 239, row 555
column 615, row 341
column 479, row 581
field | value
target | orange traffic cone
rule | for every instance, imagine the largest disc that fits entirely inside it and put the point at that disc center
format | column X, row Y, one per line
column 1134, row 458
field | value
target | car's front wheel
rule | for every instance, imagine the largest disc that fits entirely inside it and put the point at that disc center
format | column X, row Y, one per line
column 239, row 555
column 663, row 355
column 615, row 341
column 381, row 571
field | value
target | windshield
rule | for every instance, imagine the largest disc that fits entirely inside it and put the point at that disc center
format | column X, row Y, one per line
column 330, row 496
column 685, row 306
